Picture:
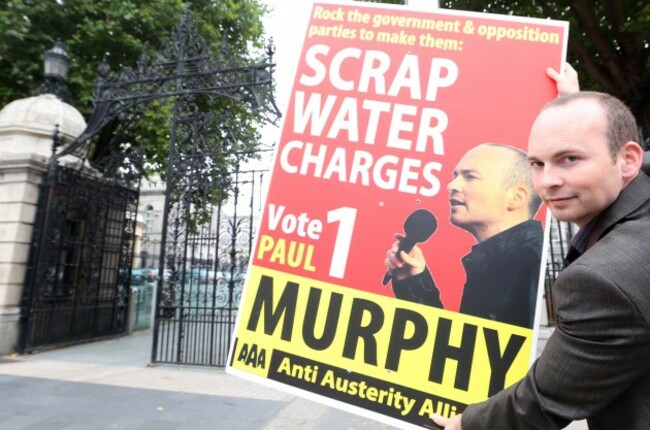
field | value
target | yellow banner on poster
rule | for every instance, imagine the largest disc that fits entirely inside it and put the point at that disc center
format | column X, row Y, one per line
column 329, row 340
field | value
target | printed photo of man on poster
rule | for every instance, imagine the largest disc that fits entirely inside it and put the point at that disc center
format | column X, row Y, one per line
column 490, row 197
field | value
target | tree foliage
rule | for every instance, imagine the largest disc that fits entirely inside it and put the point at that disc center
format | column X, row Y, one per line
column 120, row 31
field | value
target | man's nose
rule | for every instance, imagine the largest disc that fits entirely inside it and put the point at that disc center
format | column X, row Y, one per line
column 548, row 177
column 453, row 185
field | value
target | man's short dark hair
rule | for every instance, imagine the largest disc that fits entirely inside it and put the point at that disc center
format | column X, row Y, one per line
column 621, row 125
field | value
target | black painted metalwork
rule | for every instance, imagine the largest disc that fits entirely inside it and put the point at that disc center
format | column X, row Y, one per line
column 560, row 234
column 82, row 247
column 206, row 255
column 196, row 305
column 56, row 62
column 184, row 67
column 78, row 280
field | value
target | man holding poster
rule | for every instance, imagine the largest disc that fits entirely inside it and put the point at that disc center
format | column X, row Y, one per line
column 586, row 166
column 491, row 197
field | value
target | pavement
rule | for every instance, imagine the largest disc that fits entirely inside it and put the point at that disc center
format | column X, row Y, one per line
column 110, row 384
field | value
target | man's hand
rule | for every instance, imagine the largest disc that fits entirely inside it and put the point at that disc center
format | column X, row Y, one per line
column 567, row 81
column 405, row 265
column 448, row 423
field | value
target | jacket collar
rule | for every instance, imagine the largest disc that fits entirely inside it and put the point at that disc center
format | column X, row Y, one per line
column 629, row 200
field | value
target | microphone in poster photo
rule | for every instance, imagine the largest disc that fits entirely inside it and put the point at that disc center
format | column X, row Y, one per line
column 418, row 228
column 491, row 197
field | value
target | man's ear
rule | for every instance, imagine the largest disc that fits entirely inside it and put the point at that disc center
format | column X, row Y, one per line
column 632, row 155
column 517, row 196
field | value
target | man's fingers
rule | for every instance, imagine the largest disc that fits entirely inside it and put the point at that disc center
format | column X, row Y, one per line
column 553, row 74
column 447, row 423
column 440, row 420
column 406, row 258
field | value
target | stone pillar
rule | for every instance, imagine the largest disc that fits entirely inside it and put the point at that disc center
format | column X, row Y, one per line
column 26, row 135
column 20, row 176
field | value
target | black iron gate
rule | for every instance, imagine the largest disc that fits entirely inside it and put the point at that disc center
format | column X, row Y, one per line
column 81, row 245
column 206, row 238
column 78, row 280
column 206, row 255
column 560, row 234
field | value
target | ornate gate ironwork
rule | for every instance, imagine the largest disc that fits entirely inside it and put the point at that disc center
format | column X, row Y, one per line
column 206, row 255
column 80, row 265
column 205, row 242
column 81, row 246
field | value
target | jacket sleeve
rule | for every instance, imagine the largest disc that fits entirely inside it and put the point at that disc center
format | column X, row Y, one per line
column 598, row 350
column 419, row 289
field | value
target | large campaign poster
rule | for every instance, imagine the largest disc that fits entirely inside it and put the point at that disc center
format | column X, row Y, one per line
column 386, row 103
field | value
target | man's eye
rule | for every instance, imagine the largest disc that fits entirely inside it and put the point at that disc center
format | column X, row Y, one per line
column 570, row 159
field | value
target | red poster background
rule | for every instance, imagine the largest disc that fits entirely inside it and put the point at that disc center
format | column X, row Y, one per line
column 501, row 86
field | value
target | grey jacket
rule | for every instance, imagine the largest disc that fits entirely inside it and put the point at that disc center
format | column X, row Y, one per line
column 596, row 365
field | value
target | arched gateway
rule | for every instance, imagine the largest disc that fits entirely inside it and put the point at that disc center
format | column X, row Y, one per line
column 77, row 285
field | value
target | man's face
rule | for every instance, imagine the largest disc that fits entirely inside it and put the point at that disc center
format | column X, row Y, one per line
column 477, row 194
column 574, row 171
